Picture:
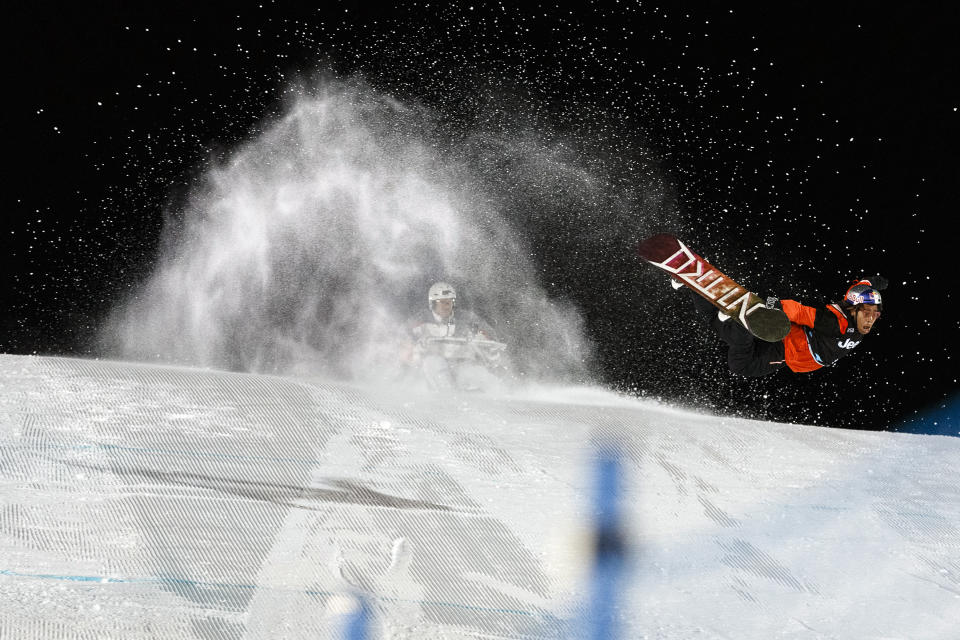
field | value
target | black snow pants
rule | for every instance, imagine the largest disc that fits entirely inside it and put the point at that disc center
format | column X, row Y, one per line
column 747, row 355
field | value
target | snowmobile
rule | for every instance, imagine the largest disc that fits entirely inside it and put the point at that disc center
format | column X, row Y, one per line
column 462, row 363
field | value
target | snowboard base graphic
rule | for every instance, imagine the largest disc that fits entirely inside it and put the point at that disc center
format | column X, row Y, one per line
column 666, row 252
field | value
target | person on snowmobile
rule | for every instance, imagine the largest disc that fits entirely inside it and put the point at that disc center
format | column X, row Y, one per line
column 444, row 320
column 819, row 336
column 447, row 341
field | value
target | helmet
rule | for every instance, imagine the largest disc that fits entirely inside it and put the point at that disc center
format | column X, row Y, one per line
column 862, row 294
column 441, row 291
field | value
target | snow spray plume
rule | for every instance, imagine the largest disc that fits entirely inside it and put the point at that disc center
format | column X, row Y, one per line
column 310, row 247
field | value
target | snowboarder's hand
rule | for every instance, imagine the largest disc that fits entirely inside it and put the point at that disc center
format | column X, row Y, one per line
column 878, row 282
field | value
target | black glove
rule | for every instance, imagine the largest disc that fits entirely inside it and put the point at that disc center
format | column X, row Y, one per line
column 878, row 282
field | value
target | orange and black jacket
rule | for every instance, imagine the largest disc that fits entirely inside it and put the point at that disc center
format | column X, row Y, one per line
column 818, row 336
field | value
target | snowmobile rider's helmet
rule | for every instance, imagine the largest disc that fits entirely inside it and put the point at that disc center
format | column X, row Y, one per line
column 441, row 291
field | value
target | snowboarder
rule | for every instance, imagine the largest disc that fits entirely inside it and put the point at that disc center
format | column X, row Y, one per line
column 453, row 348
column 819, row 336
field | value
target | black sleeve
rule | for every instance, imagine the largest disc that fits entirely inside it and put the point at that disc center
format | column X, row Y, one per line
column 827, row 323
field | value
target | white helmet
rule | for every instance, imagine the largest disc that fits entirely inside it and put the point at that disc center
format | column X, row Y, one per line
column 441, row 291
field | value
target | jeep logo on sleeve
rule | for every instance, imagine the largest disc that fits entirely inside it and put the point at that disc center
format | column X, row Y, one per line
column 848, row 344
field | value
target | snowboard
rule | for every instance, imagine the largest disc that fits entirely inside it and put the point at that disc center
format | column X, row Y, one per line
column 673, row 256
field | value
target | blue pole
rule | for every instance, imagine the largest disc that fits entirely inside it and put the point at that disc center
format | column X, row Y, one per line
column 356, row 627
column 609, row 550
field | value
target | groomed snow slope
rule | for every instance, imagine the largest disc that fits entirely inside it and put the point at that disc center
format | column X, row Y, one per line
column 152, row 502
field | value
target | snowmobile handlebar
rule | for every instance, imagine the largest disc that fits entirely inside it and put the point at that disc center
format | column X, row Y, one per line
column 460, row 348
column 483, row 343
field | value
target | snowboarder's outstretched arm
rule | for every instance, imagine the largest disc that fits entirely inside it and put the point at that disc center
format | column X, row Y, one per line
column 828, row 320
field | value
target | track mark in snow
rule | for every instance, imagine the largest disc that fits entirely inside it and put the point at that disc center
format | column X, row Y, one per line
column 717, row 514
column 743, row 555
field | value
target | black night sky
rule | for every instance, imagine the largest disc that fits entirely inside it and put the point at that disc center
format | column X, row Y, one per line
column 797, row 148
